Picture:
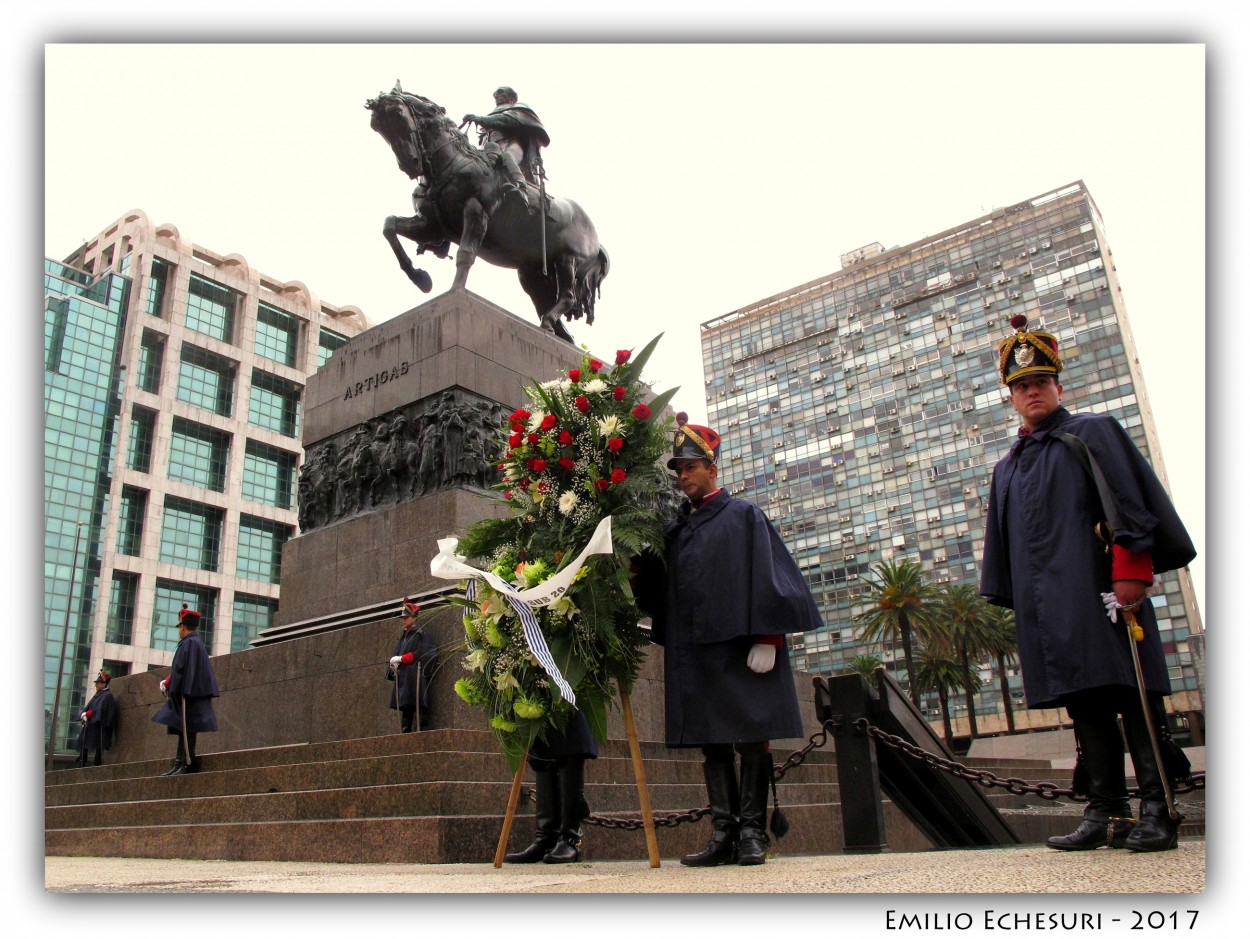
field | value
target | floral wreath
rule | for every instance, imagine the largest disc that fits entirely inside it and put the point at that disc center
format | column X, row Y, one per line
column 588, row 446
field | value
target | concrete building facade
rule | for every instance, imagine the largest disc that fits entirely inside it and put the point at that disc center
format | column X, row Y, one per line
column 173, row 396
column 863, row 411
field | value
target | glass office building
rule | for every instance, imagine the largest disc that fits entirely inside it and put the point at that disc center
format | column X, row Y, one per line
column 173, row 379
column 868, row 414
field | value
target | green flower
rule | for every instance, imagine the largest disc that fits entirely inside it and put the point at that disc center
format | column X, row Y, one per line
column 470, row 629
column 469, row 693
column 535, row 573
column 495, row 636
column 499, row 722
column 528, row 709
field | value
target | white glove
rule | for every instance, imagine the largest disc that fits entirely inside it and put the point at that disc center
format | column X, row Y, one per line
column 395, row 660
column 164, row 685
column 762, row 658
column 83, row 717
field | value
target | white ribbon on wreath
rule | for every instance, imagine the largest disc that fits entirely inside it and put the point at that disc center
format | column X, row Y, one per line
column 448, row 565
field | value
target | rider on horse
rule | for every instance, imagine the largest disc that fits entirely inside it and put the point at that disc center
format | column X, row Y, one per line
column 515, row 135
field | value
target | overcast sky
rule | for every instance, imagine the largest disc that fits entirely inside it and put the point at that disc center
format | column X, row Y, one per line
column 716, row 175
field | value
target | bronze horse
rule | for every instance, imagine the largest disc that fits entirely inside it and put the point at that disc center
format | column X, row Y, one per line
column 560, row 269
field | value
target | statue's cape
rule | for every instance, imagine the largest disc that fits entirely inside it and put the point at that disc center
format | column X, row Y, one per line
column 523, row 116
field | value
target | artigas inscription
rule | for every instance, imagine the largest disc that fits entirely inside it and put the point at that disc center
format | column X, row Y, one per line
column 373, row 382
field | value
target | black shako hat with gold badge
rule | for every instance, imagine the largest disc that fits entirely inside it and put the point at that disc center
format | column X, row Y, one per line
column 1028, row 352
column 694, row 442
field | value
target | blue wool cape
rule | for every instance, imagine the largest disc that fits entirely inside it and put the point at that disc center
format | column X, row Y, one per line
column 728, row 583
column 191, row 676
column 1043, row 559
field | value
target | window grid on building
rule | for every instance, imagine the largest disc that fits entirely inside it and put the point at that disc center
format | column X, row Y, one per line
column 273, row 403
column 158, row 281
column 268, row 475
column 191, row 534
column 252, row 614
column 210, row 308
column 199, row 455
column 132, row 514
column 142, row 439
column 169, row 597
column 327, row 342
column 206, row 380
column 277, row 334
column 123, row 601
column 151, row 358
column 260, row 548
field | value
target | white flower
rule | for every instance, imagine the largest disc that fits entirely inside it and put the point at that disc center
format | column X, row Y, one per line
column 536, row 421
column 551, row 385
column 505, row 681
column 595, row 386
column 568, row 502
column 610, row 426
column 476, row 660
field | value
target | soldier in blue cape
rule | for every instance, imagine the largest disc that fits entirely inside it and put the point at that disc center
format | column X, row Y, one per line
column 190, row 688
column 410, row 664
column 98, row 719
column 721, row 606
column 1048, row 557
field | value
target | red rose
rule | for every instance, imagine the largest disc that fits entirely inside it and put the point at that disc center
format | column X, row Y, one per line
column 618, row 476
column 618, row 393
column 642, row 412
column 549, row 422
column 575, row 374
column 615, row 444
column 566, row 464
column 583, row 403
column 538, row 464
column 533, row 439
column 595, row 365
column 602, row 485
column 520, row 414
column 566, row 438
column 622, row 356
column 514, row 441
column 543, row 486
column 507, row 493
column 518, row 428
column 524, row 483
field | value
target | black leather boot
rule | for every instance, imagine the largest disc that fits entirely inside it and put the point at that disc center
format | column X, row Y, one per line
column 546, row 819
column 757, row 771
column 1108, row 817
column 722, row 792
column 1155, row 830
column 573, row 810
column 177, row 769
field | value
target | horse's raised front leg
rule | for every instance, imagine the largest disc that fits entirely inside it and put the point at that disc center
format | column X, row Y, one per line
column 471, row 238
column 394, row 227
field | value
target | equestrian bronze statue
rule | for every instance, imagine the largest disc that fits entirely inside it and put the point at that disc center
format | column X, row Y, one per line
column 471, row 196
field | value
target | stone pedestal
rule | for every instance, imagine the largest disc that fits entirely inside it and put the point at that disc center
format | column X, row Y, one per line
column 404, row 419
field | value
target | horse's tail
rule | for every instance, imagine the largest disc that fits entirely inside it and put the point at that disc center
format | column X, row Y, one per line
column 589, row 281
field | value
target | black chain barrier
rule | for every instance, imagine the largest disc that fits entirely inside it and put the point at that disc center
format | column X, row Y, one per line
column 983, row 778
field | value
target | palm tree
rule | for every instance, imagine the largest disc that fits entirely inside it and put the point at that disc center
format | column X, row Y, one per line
column 1002, row 645
column 864, row 665
column 941, row 671
column 899, row 598
column 962, row 620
